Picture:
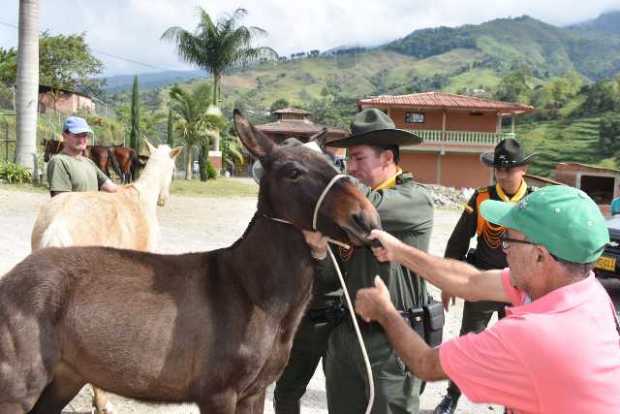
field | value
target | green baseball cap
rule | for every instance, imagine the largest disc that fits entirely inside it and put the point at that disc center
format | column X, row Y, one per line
column 563, row 219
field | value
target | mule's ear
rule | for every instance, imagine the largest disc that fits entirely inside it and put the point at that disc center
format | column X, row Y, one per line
column 255, row 141
column 320, row 138
column 149, row 146
column 175, row 152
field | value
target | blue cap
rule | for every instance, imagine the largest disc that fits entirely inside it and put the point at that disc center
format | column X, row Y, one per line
column 76, row 125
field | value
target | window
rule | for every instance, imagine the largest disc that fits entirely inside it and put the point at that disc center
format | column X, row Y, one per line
column 414, row 117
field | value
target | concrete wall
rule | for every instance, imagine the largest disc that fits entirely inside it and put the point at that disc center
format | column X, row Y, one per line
column 65, row 103
column 453, row 170
column 455, row 121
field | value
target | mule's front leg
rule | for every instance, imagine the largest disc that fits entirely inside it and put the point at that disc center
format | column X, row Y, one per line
column 222, row 403
column 100, row 402
column 254, row 404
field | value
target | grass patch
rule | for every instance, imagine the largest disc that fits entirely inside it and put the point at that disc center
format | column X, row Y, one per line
column 30, row 188
column 221, row 187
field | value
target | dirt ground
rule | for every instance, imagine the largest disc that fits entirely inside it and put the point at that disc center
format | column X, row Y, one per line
column 198, row 224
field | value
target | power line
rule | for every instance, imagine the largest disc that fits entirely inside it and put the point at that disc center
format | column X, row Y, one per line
column 101, row 52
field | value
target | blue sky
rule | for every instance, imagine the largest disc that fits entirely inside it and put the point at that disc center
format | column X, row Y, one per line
column 132, row 28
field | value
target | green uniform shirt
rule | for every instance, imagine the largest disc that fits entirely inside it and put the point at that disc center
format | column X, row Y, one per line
column 67, row 173
column 406, row 211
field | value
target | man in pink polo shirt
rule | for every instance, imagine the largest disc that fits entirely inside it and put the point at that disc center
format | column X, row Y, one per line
column 558, row 349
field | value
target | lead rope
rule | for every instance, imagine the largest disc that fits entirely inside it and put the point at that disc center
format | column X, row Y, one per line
column 358, row 334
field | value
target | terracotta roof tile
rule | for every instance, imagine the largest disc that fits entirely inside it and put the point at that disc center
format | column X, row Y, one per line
column 291, row 110
column 446, row 101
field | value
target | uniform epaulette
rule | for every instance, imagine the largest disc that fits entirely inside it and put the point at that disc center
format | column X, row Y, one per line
column 483, row 189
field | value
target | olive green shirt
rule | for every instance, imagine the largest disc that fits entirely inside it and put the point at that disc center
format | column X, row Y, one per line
column 406, row 211
column 66, row 173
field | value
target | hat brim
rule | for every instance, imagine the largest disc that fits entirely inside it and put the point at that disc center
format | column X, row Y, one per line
column 488, row 159
column 380, row 137
column 499, row 213
column 76, row 131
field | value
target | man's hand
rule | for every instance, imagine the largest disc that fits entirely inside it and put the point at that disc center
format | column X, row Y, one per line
column 446, row 299
column 110, row 187
column 372, row 304
column 317, row 243
column 389, row 245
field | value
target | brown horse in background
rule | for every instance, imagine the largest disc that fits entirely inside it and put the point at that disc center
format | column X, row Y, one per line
column 128, row 162
column 212, row 328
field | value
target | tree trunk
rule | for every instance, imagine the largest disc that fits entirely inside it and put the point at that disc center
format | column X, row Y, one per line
column 188, row 166
column 27, row 98
column 134, row 132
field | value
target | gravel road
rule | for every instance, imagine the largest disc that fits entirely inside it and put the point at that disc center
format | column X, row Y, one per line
column 197, row 224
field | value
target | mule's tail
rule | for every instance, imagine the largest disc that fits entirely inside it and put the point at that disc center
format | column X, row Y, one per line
column 115, row 167
column 55, row 235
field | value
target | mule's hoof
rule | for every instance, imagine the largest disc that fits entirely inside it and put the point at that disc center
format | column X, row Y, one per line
column 108, row 409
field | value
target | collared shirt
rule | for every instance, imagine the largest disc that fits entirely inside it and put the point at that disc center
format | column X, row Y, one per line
column 557, row 354
column 390, row 182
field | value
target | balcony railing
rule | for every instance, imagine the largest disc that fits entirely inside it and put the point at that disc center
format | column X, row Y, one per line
column 461, row 137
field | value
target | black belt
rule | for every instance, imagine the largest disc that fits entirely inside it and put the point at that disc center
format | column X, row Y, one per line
column 328, row 314
column 370, row 326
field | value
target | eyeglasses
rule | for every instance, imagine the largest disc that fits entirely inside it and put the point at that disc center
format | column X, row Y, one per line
column 507, row 240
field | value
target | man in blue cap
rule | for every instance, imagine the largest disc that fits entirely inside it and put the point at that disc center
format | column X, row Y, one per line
column 70, row 170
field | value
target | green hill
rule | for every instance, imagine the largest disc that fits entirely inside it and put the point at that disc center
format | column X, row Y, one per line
column 572, row 140
column 466, row 59
column 513, row 42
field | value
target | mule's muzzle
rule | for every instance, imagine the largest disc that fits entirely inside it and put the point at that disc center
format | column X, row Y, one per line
column 361, row 224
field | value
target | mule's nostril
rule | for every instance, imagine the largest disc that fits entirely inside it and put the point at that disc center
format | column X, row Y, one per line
column 358, row 219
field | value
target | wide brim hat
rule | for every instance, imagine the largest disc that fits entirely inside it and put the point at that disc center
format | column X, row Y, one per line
column 508, row 153
column 372, row 126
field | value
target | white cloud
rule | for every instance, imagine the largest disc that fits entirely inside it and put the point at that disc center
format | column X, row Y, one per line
column 132, row 28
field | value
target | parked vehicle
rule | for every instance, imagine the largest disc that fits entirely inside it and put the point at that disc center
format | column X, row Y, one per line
column 608, row 265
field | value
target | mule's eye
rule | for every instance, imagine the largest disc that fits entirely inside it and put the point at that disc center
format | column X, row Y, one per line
column 294, row 174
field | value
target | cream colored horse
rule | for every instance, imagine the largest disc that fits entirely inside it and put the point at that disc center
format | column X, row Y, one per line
column 125, row 219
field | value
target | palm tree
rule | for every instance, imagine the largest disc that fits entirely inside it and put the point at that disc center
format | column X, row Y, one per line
column 218, row 47
column 232, row 152
column 195, row 125
column 27, row 98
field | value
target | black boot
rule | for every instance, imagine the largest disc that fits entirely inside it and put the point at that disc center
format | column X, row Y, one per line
column 447, row 405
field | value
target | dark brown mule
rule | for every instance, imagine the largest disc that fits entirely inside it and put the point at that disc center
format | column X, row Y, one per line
column 211, row 328
column 51, row 147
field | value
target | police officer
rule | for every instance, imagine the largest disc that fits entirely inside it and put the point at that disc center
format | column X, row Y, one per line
column 406, row 211
column 510, row 165
column 309, row 346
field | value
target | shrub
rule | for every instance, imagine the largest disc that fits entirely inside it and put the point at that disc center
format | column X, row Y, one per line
column 211, row 173
column 12, row 173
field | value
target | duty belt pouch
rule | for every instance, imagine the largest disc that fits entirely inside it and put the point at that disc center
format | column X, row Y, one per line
column 428, row 322
column 434, row 320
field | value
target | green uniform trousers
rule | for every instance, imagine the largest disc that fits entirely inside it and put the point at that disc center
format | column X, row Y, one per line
column 396, row 389
column 309, row 347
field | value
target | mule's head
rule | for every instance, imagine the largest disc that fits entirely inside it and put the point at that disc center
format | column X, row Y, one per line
column 294, row 179
column 160, row 166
